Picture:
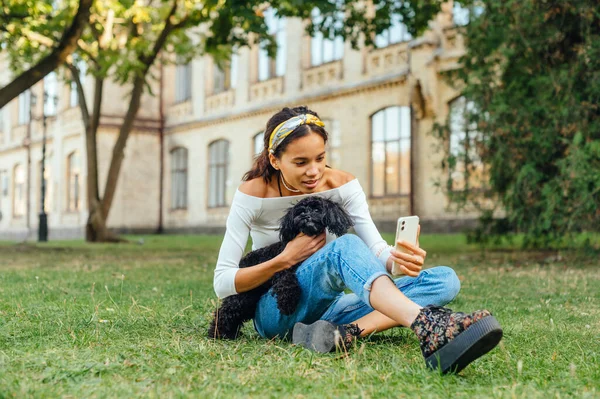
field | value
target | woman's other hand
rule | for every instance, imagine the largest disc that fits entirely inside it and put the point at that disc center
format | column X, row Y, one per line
column 302, row 247
column 410, row 262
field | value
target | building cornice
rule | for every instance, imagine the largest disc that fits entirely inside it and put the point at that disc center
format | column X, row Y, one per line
column 383, row 82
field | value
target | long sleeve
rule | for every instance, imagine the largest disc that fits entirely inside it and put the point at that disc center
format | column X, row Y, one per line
column 355, row 203
column 232, row 248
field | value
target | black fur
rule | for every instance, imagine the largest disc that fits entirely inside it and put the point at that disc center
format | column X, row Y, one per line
column 311, row 216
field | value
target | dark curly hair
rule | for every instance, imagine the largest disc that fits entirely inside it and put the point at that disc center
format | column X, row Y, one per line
column 262, row 167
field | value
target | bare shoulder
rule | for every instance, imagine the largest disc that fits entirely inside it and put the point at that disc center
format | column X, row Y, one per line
column 338, row 178
column 255, row 187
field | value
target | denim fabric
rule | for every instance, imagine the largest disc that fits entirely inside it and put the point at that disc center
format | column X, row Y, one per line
column 348, row 263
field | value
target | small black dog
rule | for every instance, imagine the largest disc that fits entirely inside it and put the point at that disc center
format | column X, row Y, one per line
column 311, row 216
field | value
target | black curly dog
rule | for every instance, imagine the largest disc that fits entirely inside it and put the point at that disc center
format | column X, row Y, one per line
column 310, row 216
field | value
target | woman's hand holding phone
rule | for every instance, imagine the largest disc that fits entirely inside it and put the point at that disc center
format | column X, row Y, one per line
column 411, row 261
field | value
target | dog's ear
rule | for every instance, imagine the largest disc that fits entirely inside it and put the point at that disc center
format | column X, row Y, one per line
column 287, row 229
column 338, row 220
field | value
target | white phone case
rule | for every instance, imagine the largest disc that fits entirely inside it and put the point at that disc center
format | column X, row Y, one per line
column 406, row 230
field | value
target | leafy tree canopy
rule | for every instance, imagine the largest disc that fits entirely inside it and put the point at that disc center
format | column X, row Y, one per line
column 532, row 72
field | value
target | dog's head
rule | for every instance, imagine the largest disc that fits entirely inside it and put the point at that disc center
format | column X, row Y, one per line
column 311, row 216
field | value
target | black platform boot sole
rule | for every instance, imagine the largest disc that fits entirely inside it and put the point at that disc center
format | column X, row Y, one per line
column 477, row 340
column 320, row 336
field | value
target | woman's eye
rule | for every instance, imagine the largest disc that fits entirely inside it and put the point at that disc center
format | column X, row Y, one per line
column 320, row 159
column 299, row 163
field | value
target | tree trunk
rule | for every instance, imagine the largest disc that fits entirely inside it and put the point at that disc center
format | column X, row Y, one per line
column 96, row 230
column 59, row 54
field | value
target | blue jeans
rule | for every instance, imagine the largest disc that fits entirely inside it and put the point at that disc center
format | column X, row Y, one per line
column 344, row 263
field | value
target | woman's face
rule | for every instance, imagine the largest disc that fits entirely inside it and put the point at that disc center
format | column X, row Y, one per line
column 303, row 163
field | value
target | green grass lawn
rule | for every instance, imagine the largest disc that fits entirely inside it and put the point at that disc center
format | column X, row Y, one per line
column 80, row 320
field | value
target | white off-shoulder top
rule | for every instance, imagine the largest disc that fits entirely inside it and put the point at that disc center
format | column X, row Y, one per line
column 259, row 218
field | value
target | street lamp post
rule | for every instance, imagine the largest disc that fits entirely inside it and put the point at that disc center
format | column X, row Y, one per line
column 43, row 223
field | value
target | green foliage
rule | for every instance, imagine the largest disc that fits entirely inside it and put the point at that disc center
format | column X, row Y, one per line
column 30, row 28
column 122, row 33
column 533, row 69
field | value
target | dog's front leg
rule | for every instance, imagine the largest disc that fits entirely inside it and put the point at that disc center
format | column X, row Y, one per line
column 287, row 291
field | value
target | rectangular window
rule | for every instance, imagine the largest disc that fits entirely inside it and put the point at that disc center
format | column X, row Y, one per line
column 4, row 181
column 50, row 94
column 225, row 77
column 183, row 82
column 334, row 143
column 322, row 49
column 24, row 107
column 396, row 33
column 218, row 162
column 73, row 182
column 268, row 67
column 464, row 137
column 19, row 191
column 179, row 178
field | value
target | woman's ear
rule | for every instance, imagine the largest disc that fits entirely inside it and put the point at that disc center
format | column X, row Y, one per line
column 274, row 161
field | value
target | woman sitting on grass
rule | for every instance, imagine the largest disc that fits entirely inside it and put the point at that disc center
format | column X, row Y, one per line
column 292, row 165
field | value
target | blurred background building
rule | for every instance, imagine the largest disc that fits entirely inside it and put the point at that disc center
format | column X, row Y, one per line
column 195, row 138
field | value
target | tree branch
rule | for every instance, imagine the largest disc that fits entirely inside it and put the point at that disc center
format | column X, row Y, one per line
column 59, row 54
column 134, row 105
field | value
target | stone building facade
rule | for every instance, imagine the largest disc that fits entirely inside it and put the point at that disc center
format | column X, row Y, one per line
column 379, row 105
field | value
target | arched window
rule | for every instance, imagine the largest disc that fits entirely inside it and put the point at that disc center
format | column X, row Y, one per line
column 179, row 172
column 73, row 182
column 218, row 160
column 390, row 152
column 462, row 144
column 259, row 143
column 19, row 191
column 324, row 50
column 271, row 67
column 396, row 33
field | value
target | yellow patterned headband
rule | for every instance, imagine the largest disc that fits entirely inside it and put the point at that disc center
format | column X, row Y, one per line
column 285, row 128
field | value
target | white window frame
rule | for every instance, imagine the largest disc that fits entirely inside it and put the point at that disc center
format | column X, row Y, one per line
column 391, row 127
column 73, row 182
column 396, row 33
column 218, row 164
column 24, row 107
column 224, row 80
column 269, row 68
column 324, row 50
column 50, row 93
column 19, row 191
column 463, row 137
column 179, row 178
column 258, row 143
column 183, row 82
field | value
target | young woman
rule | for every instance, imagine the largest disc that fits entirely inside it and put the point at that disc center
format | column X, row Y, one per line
column 293, row 165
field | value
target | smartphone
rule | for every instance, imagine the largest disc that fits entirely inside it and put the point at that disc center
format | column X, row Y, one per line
column 406, row 230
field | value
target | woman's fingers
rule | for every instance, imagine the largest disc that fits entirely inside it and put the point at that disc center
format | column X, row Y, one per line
column 411, row 262
column 410, row 258
column 415, row 249
column 406, row 271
